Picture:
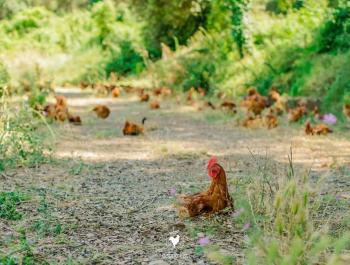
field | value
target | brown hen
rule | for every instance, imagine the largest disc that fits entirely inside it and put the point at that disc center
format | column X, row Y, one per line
column 254, row 102
column 116, row 92
column 154, row 104
column 101, row 111
column 318, row 129
column 215, row 199
column 297, row 113
column 133, row 128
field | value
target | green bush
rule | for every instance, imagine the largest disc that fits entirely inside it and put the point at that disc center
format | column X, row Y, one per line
column 285, row 216
column 20, row 142
column 125, row 61
column 199, row 72
column 28, row 20
column 283, row 6
column 335, row 34
column 104, row 15
column 335, row 95
column 170, row 22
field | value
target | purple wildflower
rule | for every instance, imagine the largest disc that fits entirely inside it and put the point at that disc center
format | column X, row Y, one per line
column 203, row 241
column 246, row 227
column 238, row 213
column 329, row 119
column 172, row 191
column 338, row 197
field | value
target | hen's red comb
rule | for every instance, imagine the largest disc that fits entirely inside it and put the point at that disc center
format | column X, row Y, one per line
column 212, row 161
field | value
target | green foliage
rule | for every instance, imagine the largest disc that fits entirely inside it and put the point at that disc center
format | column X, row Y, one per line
column 28, row 20
column 238, row 10
column 337, row 91
column 103, row 13
column 284, row 6
column 20, row 143
column 170, row 20
column 8, row 205
column 286, row 212
column 199, row 71
column 9, row 8
column 335, row 34
column 125, row 61
column 46, row 223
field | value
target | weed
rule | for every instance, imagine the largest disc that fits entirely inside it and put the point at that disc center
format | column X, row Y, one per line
column 46, row 224
column 77, row 169
column 8, row 205
column 284, row 211
column 20, row 142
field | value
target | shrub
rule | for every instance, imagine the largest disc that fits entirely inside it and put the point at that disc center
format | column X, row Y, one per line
column 287, row 216
column 104, row 15
column 28, row 20
column 20, row 142
column 199, row 71
column 337, row 91
column 283, row 6
column 171, row 21
column 335, row 34
column 125, row 61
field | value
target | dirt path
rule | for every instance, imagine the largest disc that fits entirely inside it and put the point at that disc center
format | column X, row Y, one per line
column 110, row 192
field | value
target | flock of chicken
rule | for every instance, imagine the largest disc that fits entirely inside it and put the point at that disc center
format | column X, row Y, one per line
column 260, row 110
column 60, row 112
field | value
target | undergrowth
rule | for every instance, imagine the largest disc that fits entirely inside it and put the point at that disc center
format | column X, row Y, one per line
column 289, row 219
column 21, row 143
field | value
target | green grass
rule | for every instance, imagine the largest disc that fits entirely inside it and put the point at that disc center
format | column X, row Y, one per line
column 8, row 205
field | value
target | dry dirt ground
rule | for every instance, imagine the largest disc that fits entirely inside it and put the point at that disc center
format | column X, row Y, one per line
column 110, row 193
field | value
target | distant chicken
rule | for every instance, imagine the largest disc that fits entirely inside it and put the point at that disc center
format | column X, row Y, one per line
column 144, row 97
column 271, row 120
column 50, row 111
column 308, row 129
column 162, row 91
column 254, row 102
column 346, row 110
column 190, row 95
column 100, row 89
column 101, row 111
column 215, row 199
column 230, row 105
column 154, row 104
column 253, row 122
column 74, row 119
column 209, row 104
column 318, row 129
column 201, row 91
column 297, row 113
column 279, row 103
column 133, row 128
column 275, row 95
column 116, row 92
column 61, row 101
column 322, row 129
column 316, row 112
column 84, row 85
column 58, row 111
column 61, row 113
column 128, row 89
